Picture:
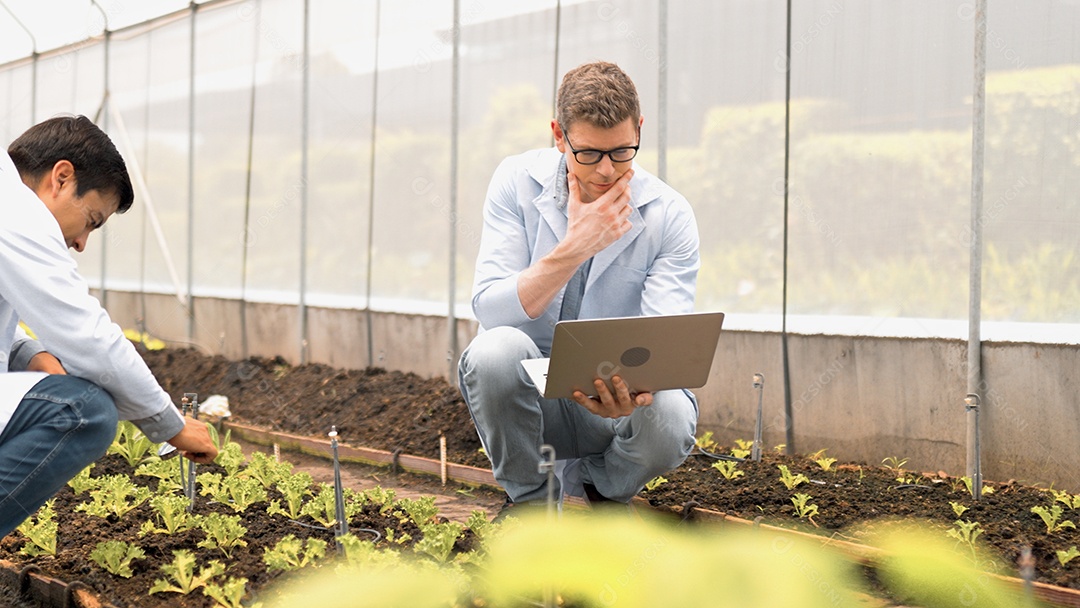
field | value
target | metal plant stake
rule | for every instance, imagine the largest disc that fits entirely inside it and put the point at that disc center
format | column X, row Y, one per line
column 547, row 465
column 189, row 403
column 759, row 384
column 971, row 404
column 342, row 527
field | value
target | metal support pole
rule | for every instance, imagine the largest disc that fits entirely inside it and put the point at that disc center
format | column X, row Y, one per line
column 455, row 113
column 759, row 384
column 194, row 8
column 371, row 192
column 342, row 527
column 978, row 140
column 547, row 465
column 305, row 103
column 972, row 406
column 662, row 89
column 189, row 404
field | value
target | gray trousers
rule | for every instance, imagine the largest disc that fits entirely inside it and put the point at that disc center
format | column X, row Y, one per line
column 617, row 456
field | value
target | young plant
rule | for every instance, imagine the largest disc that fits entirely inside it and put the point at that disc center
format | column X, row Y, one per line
column 779, row 448
column 1065, row 557
column 438, row 540
column 421, row 510
column 222, row 532
column 791, row 481
column 209, row 484
column 290, row 553
column 115, row 556
column 822, row 461
column 967, row 485
column 294, row 488
column 894, row 464
column 83, row 482
column 268, row 471
column 705, row 443
column 479, row 524
column 231, row 458
column 240, row 493
column 166, row 471
column 802, row 509
column 182, row 573
column 42, row 533
column 171, row 511
column 1069, row 500
column 743, row 448
column 228, row 594
column 957, row 508
column 1052, row 518
column 966, row 532
column 115, row 495
column 131, row 444
column 728, row 468
column 382, row 498
column 654, row 483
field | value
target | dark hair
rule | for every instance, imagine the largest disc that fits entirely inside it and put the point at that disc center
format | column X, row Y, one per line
column 599, row 93
column 98, row 164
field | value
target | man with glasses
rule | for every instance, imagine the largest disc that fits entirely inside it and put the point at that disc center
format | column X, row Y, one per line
column 578, row 231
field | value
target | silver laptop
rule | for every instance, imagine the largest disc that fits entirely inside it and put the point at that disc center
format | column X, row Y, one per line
column 649, row 353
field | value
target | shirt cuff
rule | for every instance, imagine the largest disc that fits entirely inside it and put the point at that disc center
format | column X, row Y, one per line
column 162, row 426
column 21, row 353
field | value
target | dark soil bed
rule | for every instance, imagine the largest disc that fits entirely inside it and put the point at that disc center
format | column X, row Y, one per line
column 397, row 411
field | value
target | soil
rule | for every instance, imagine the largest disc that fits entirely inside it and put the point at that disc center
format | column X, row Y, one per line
column 398, row 411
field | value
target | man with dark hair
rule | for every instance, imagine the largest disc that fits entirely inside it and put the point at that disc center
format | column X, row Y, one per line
column 578, row 231
column 60, row 181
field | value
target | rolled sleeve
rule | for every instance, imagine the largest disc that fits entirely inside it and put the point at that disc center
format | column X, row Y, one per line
column 22, row 351
column 162, row 426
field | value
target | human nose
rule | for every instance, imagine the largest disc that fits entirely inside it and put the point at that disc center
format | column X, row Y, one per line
column 79, row 242
column 606, row 166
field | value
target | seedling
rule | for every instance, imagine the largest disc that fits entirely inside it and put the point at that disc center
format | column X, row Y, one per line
column 294, row 489
column 894, row 464
column 171, row 511
column 116, row 556
column 743, row 448
column 823, row 461
column 705, row 443
column 438, row 540
column 957, row 508
column 268, row 471
column 290, row 553
column 966, row 532
column 42, row 533
column 83, row 482
column 654, row 483
column 323, row 506
column 115, row 495
column 479, row 524
column 421, row 510
column 131, row 444
column 231, row 458
column 165, row 471
column 967, row 484
column 728, row 468
column 182, row 573
column 1065, row 557
column 222, row 532
column 791, row 481
column 802, row 509
column 382, row 498
column 228, row 594
column 240, row 493
column 1052, row 518
column 401, row 540
column 779, row 448
column 1070, row 501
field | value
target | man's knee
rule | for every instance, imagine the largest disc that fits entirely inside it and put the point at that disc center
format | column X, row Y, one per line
column 498, row 350
column 672, row 422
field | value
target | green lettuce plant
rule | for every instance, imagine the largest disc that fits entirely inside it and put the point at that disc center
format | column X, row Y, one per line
column 1069, row 500
column 171, row 511
column 222, row 532
column 83, row 482
column 743, row 448
column 420, row 510
column 294, row 489
column 268, row 471
column 957, row 508
column 231, row 458
column 115, row 556
column 1065, row 557
column 791, row 481
column 1052, row 518
column 131, row 444
column 167, row 472
column 967, row 532
column 654, row 483
column 229, row 594
column 803, row 510
column 728, row 468
column 291, row 553
column 41, row 533
column 705, row 443
column 115, row 495
column 823, row 461
column 181, row 571
column 438, row 539
column 240, row 492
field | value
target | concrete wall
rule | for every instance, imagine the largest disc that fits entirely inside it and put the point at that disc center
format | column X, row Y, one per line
column 861, row 398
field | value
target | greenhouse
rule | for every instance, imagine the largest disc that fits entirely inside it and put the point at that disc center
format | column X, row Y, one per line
column 887, row 206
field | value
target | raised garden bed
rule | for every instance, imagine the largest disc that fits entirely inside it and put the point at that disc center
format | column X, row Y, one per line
column 404, row 415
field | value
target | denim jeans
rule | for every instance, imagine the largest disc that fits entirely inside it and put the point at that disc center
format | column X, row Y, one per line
column 62, row 425
column 616, row 456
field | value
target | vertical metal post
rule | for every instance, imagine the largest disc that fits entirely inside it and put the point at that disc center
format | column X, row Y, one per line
column 971, row 404
column 104, row 295
column 789, row 414
column 978, row 139
column 371, row 190
column 246, row 234
column 189, row 403
column 194, row 8
column 33, row 62
column 455, row 113
column 547, row 465
column 662, row 90
column 759, row 384
column 305, row 102
column 555, row 86
column 342, row 527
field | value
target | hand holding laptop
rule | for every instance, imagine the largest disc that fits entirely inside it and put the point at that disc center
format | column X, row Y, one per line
column 614, row 403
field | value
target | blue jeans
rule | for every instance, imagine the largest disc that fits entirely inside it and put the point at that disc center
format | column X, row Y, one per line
column 62, row 425
column 616, row 456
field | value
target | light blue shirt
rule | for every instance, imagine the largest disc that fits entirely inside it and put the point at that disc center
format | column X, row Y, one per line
column 651, row 270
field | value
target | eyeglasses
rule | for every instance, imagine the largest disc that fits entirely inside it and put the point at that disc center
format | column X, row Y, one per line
column 592, row 157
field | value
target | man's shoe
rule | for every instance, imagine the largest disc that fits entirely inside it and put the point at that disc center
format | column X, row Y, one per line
column 515, row 509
